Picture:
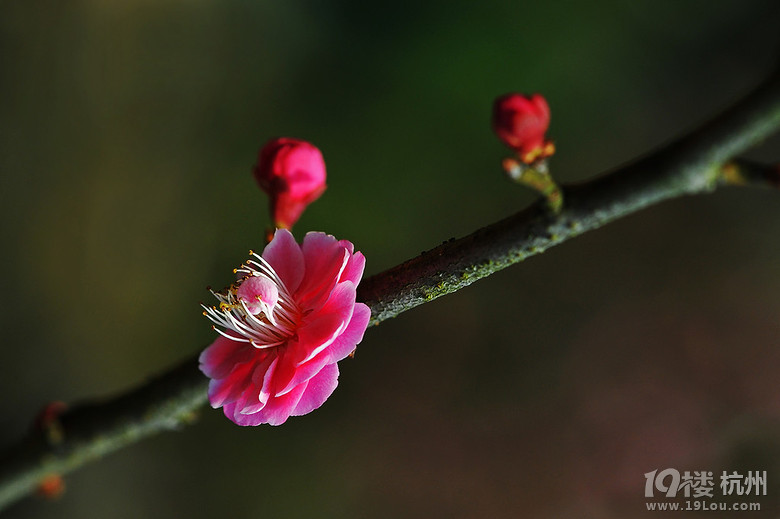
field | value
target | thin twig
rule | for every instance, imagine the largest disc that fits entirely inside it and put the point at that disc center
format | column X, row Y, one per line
column 696, row 163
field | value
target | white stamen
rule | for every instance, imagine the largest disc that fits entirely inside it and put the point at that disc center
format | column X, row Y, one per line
column 270, row 327
column 239, row 339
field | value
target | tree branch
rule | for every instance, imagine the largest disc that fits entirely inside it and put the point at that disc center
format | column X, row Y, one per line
column 695, row 163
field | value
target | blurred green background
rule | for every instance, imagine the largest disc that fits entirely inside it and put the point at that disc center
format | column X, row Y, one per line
column 127, row 135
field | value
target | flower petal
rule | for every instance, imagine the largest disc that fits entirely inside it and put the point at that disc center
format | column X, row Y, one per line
column 222, row 355
column 227, row 390
column 305, row 372
column 305, row 357
column 286, row 258
column 341, row 300
column 319, row 334
column 347, row 245
column 325, row 259
column 279, row 408
column 241, row 419
column 302, row 359
column 268, row 382
column 321, row 331
column 318, row 389
column 354, row 269
column 352, row 335
column 251, row 400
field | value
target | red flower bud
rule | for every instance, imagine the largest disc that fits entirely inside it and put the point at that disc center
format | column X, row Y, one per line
column 48, row 421
column 292, row 172
column 521, row 122
column 51, row 486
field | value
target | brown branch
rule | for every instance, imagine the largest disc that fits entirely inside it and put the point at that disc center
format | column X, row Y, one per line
column 695, row 163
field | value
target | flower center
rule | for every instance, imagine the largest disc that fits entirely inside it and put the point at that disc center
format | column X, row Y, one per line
column 257, row 309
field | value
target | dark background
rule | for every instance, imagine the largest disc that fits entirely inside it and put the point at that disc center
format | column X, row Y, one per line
column 127, row 135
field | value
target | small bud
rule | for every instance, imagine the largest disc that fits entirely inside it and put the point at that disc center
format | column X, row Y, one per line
column 51, row 486
column 48, row 422
column 292, row 172
column 521, row 122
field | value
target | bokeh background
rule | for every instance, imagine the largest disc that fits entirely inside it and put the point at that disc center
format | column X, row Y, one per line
column 127, row 133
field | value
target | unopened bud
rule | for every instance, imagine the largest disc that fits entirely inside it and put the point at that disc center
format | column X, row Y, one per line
column 292, row 172
column 521, row 122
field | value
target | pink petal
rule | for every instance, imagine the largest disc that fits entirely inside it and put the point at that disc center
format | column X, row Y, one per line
column 286, row 258
column 219, row 389
column 241, row 419
column 341, row 300
column 227, row 390
column 351, row 337
column 318, row 389
column 250, row 409
column 266, row 391
column 222, row 355
column 316, row 247
column 305, row 372
column 283, row 372
column 298, row 362
column 325, row 260
column 320, row 330
column 347, row 245
column 354, row 269
column 246, row 420
column 318, row 334
column 251, row 400
column 279, row 408
column 246, row 400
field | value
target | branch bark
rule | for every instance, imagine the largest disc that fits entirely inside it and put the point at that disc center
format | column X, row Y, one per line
column 696, row 163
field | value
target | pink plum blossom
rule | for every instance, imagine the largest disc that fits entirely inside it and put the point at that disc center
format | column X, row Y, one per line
column 284, row 325
column 292, row 172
